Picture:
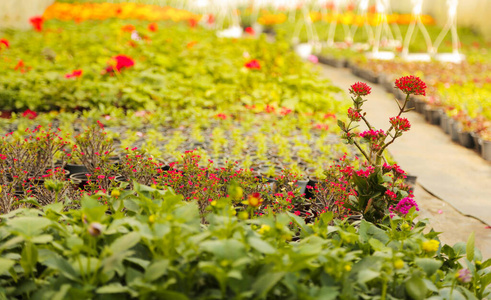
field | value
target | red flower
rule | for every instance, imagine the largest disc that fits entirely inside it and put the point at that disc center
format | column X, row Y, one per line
column 211, row 19
column 29, row 114
column 400, row 124
column 254, row 200
column 74, row 74
column 37, row 23
column 250, row 31
column 360, row 89
column 5, row 42
column 193, row 23
column 121, row 61
column 411, row 85
column 353, row 114
column 128, row 28
column 221, row 116
column 253, row 64
column 153, row 27
column 20, row 66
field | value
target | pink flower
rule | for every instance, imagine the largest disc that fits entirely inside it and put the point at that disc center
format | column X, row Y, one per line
column 250, row 30
column 37, row 23
column 253, row 64
column 74, row 74
column 360, row 89
column 313, row 59
column 405, row 205
column 411, row 85
column 372, row 135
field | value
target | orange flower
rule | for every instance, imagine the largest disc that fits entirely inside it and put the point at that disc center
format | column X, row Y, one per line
column 191, row 44
column 128, row 28
column 153, row 27
column 20, row 66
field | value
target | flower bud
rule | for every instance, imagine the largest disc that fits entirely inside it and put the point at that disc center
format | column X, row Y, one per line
column 115, row 193
column 95, row 229
column 254, row 200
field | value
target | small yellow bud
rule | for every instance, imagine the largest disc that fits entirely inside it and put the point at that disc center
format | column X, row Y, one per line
column 347, row 268
column 264, row 228
column 151, row 219
column 405, row 227
column 399, row 264
column 213, row 203
column 115, row 193
column 224, row 263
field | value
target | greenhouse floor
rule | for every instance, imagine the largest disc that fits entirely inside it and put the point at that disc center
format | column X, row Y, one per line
column 454, row 183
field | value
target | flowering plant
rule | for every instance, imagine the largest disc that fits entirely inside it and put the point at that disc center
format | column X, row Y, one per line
column 378, row 185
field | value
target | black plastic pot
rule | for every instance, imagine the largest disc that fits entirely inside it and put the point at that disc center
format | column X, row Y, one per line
column 432, row 115
column 486, row 149
column 73, row 168
column 465, row 139
column 477, row 144
column 79, row 179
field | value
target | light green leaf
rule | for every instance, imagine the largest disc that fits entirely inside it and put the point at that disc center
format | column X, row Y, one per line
column 416, row 288
column 28, row 226
column 429, row 265
column 367, row 275
column 5, row 264
column 266, row 282
column 261, row 245
column 125, row 242
column 156, row 270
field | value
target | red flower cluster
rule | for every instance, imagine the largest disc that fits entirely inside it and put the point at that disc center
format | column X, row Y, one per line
column 153, row 27
column 37, row 23
column 250, row 30
column 193, row 23
column 253, row 64
column 353, row 114
column 121, row 61
column 74, row 74
column 400, row 124
column 221, row 116
column 128, row 28
column 4, row 42
column 360, row 89
column 372, row 134
column 29, row 114
column 411, row 85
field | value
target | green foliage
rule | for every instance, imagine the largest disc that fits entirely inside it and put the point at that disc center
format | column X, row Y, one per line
column 157, row 248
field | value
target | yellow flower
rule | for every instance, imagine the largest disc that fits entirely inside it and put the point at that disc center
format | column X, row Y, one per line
column 431, row 246
column 115, row 193
column 405, row 227
column 264, row 228
column 213, row 203
column 347, row 268
column 254, row 200
column 399, row 264
column 0, row 188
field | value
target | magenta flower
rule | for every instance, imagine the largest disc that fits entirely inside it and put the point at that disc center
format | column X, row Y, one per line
column 400, row 124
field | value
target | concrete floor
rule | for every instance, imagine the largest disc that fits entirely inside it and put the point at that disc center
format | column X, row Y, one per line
column 454, row 183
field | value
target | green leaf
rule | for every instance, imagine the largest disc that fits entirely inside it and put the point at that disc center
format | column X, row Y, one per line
column 29, row 258
column 376, row 244
column 113, row 288
column 5, row 265
column 125, row 242
column 367, row 275
column 416, row 288
column 156, row 270
column 429, row 265
column 61, row 265
column 261, row 245
column 470, row 247
column 42, row 239
column 266, row 282
column 28, row 226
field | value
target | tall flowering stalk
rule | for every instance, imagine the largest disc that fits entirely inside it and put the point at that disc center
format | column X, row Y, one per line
column 376, row 185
